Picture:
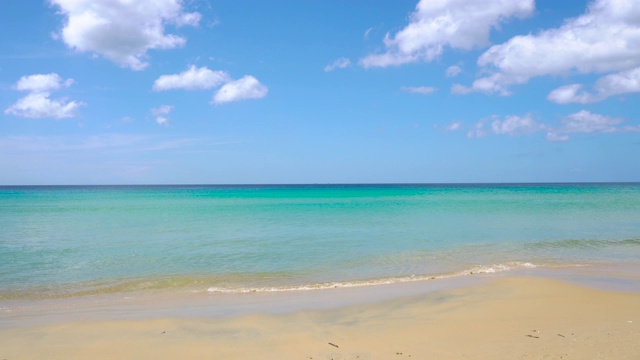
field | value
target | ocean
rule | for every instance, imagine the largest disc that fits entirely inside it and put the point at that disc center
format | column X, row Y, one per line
column 61, row 242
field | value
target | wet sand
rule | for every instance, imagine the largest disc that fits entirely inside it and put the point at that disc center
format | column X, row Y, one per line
column 502, row 318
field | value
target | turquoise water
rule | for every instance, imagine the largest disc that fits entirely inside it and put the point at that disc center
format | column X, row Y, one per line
column 73, row 241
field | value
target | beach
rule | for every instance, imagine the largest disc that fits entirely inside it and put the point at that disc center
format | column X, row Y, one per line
column 320, row 180
column 497, row 318
column 485, row 271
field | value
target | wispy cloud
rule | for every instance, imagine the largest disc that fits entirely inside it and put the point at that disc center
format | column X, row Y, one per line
column 454, row 126
column 340, row 63
column 580, row 122
column 20, row 144
column 590, row 123
column 103, row 143
column 370, row 30
column 422, row 90
column 453, row 71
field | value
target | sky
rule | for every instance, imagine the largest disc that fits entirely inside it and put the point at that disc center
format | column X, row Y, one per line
column 316, row 91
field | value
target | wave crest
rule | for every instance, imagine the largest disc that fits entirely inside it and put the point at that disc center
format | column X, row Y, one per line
column 476, row 270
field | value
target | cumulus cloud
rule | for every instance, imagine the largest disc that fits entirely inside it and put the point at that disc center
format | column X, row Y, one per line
column 37, row 104
column 246, row 87
column 453, row 71
column 434, row 25
column 161, row 113
column 340, row 63
column 191, row 79
column 570, row 94
column 516, row 125
column 580, row 122
column 423, row 90
column 587, row 122
column 623, row 82
column 511, row 125
column 122, row 30
column 605, row 39
column 42, row 82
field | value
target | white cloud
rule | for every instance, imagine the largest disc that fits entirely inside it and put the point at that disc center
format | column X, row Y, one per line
column 42, row 82
column 435, row 24
column 569, row 94
column 606, row 38
column 586, row 122
column 460, row 89
column 516, row 125
column 160, row 113
column 368, row 31
column 453, row 71
column 340, row 63
column 123, row 30
column 555, row 137
column 246, row 87
column 161, row 120
column 191, row 79
column 454, row 126
column 38, row 104
column 623, row 82
column 580, row 122
column 424, row 90
column 511, row 125
column 190, row 19
column 478, row 130
column 162, row 110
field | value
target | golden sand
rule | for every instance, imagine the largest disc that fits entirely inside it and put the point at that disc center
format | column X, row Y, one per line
column 509, row 318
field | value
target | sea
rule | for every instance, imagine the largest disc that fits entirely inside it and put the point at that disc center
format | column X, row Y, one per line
column 60, row 242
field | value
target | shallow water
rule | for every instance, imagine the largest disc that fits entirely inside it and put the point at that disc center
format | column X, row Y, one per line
column 59, row 242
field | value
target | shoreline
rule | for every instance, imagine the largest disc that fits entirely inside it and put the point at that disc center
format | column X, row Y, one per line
column 497, row 317
column 165, row 303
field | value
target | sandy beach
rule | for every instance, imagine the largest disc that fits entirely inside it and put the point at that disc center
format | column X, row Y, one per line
column 504, row 318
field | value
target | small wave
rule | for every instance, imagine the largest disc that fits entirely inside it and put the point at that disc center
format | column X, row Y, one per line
column 582, row 243
column 481, row 269
column 476, row 270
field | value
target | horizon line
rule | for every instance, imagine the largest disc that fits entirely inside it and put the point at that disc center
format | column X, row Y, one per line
column 328, row 184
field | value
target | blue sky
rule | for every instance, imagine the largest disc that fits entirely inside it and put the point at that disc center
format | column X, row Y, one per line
column 289, row 91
